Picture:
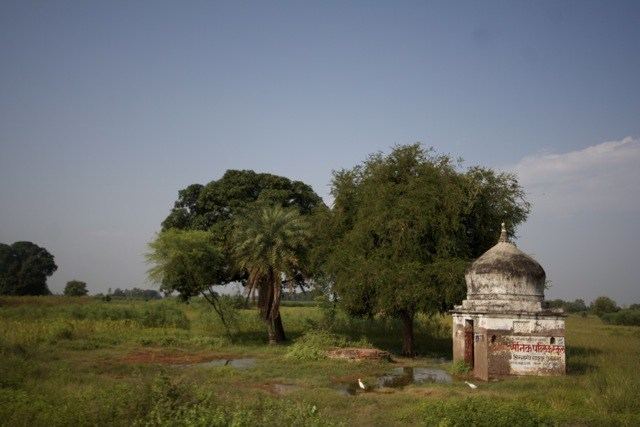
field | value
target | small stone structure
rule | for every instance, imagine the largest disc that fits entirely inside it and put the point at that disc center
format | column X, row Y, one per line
column 502, row 328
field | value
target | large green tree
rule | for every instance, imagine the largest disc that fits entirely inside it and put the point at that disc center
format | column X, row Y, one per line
column 24, row 268
column 404, row 227
column 215, row 206
column 267, row 244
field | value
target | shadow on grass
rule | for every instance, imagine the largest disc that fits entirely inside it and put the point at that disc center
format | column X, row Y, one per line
column 260, row 338
column 576, row 359
column 386, row 334
column 432, row 334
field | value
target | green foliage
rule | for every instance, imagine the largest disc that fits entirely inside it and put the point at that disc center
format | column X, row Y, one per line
column 58, row 370
column 188, row 262
column 629, row 317
column 24, row 268
column 75, row 288
column 329, row 309
column 313, row 345
column 481, row 411
column 492, row 198
column 227, row 309
column 603, row 305
column 404, row 226
column 266, row 245
column 215, row 206
column 460, row 367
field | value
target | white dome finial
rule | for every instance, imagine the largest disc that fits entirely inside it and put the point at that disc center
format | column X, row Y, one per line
column 503, row 234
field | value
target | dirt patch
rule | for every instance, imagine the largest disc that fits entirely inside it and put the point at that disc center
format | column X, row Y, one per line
column 352, row 353
column 164, row 357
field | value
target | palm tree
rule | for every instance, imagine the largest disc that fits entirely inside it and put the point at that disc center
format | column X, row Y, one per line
column 267, row 245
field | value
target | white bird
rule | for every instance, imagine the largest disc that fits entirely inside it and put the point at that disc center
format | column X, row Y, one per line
column 361, row 384
column 471, row 385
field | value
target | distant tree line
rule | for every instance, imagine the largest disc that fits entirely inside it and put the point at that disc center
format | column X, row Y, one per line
column 135, row 293
column 604, row 307
column 576, row 306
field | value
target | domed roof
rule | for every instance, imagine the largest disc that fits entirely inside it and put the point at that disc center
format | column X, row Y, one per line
column 504, row 272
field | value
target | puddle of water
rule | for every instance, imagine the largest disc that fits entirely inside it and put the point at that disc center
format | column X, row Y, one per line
column 397, row 378
column 240, row 363
column 347, row 389
column 400, row 377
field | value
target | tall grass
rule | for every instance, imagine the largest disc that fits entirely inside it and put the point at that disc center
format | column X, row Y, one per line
column 158, row 315
column 64, row 362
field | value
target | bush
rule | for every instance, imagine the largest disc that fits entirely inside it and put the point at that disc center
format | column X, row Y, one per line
column 313, row 345
column 460, row 367
column 628, row 317
column 477, row 411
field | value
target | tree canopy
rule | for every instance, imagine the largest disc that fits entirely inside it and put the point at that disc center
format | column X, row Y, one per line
column 215, row 206
column 75, row 288
column 24, row 268
column 404, row 227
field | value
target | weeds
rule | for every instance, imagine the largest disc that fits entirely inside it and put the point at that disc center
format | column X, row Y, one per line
column 460, row 367
column 479, row 411
column 313, row 345
column 64, row 364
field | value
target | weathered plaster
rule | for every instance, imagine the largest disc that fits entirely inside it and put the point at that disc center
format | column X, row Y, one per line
column 513, row 334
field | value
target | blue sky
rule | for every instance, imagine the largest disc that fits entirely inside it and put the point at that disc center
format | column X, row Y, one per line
column 107, row 109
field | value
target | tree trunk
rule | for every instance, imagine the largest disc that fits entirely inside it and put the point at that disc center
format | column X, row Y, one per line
column 275, row 330
column 407, row 334
column 279, row 329
column 267, row 297
column 271, row 331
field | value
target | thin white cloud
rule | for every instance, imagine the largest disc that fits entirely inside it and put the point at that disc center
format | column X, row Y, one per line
column 602, row 177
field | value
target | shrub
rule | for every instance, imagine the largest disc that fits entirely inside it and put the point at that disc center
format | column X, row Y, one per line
column 314, row 344
column 626, row 317
column 460, row 367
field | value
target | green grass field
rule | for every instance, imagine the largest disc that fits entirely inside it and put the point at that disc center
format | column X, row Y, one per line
column 66, row 361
